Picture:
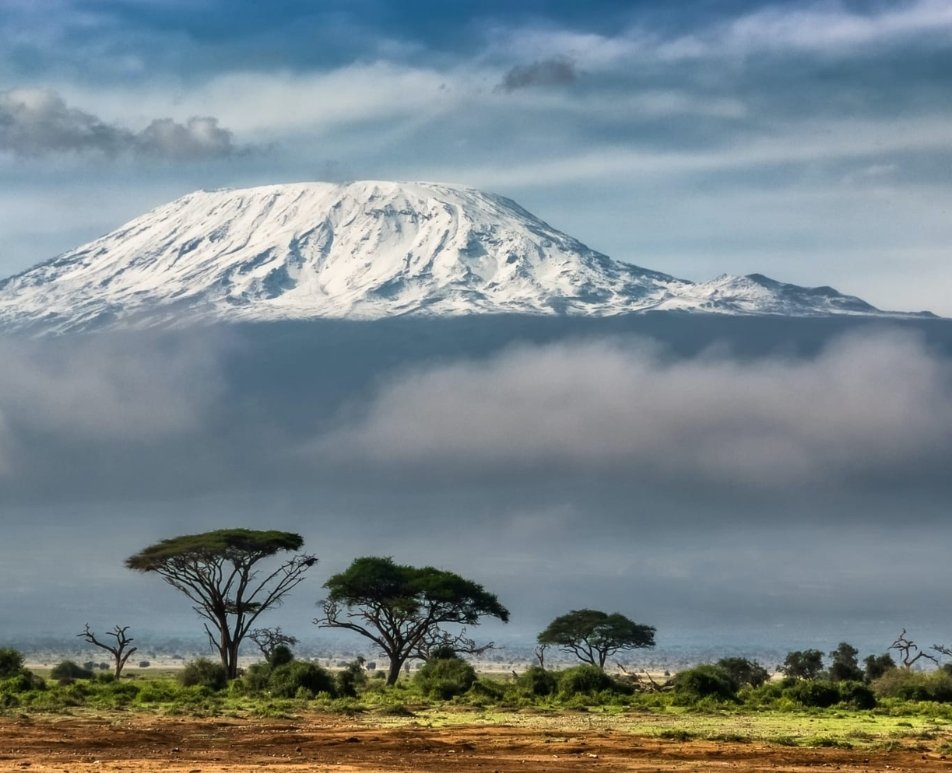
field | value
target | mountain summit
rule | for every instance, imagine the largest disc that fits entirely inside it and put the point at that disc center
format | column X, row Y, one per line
column 362, row 250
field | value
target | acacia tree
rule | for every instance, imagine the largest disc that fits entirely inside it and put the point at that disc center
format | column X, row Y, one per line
column 219, row 572
column 803, row 664
column 269, row 639
column 120, row 650
column 844, row 666
column 592, row 635
column 402, row 609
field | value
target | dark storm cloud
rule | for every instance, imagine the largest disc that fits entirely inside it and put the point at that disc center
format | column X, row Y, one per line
column 548, row 72
column 866, row 407
column 35, row 123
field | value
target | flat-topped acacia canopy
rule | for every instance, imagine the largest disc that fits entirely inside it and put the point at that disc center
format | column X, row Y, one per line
column 217, row 570
column 225, row 543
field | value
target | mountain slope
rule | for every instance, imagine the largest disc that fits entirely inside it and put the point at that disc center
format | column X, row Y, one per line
column 364, row 250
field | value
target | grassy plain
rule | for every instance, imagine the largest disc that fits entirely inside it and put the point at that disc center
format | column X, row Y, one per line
column 152, row 723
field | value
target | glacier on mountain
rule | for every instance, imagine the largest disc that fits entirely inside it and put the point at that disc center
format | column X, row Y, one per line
column 362, row 250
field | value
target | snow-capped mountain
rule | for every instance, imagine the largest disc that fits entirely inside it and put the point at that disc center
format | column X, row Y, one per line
column 363, row 250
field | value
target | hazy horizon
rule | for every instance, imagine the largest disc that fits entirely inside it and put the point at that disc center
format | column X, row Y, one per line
column 706, row 476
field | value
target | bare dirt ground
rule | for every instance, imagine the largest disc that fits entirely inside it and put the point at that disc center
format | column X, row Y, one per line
column 138, row 742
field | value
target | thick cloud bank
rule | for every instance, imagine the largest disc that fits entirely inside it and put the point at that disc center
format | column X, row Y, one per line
column 691, row 491
column 89, row 396
column 36, row 122
column 865, row 408
column 112, row 416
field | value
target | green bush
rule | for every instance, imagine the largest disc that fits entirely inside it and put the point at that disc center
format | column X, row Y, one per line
column 584, row 680
column 287, row 680
column 158, row 691
column 351, row 678
column 445, row 677
column 11, row 662
column 256, row 677
column 843, row 666
column 803, row 664
column 915, row 685
column 488, row 692
column 743, row 671
column 121, row 693
column 813, row 692
column 704, row 681
column 67, row 671
column 204, row 673
column 877, row 665
column 537, row 681
column 22, row 681
column 281, row 655
column 857, row 695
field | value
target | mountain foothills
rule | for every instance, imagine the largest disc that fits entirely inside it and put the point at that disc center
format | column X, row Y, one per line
column 363, row 250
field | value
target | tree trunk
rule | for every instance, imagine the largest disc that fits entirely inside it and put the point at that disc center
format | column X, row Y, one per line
column 394, row 672
column 231, row 667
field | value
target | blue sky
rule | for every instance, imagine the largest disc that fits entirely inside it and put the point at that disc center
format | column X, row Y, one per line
column 811, row 141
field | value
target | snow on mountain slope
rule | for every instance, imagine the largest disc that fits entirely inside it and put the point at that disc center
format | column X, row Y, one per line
column 758, row 294
column 363, row 250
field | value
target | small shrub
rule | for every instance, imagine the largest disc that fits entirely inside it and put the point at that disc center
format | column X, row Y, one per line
column 827, row 742
column 811, row 692
column 744, row 672
column 535, row 680
column 281, row 655
column 257, row 676
column 914, row 685
column 11, row 662
column 204, row 673
column 843, row 666
column 677, row 735
column 285, row 681
column 487, row 692
column 875, row 666
column 351, row 679
column 704, row 681
column 158, row 691
column 122, row 693
column 584, row 680
column 445, row 678
column 857, row 695
column 22, row 681
column 68, row 671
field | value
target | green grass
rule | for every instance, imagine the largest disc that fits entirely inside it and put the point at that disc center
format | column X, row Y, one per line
column 893, row 724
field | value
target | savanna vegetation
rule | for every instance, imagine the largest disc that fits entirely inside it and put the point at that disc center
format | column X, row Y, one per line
column 406, row 613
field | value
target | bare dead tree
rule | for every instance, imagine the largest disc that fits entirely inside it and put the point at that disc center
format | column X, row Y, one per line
column 438, row 638
column 644, row 680
column 539, row 653
column 942, row 650
column 269, row 639
column 120, row 651
column 909, row 651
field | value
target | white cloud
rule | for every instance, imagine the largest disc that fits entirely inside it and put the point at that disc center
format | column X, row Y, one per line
column 104, row 389
column 865, row 407
column 818, row 27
